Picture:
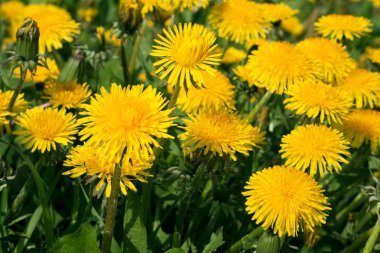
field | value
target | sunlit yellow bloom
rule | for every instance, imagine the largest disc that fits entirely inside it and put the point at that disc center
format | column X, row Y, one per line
column 338, row 26
column 233, row 55
column 316, row 147
column 330, row 60
column 42, row 74
column 317, row 99
column 87, row 14
column 55, row 24
column 218, row 131
column 126, row 118
column 239, row 20
column 362, row 126
column 373, row 54
column 285, row 200
column 277, row 65
column 363, row 87
column 43, row 128
column 92, row 160
column 67, row 95
column 217, row 91
column 107, row 36
column 10, row 9
column 5, row 98
column 292, row 25
column 185, row 51
column 277, row 12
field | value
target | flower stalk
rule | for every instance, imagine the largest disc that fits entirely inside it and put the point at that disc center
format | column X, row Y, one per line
column 251, row 116
column 372, row 238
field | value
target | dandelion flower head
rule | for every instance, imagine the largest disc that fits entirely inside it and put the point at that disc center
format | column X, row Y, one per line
column 44, row 128
column 184, row 52
column 218, row 131
column 285, row 200
column 126, row 118
column 315, row 147
column 338, row 26
column 316, row 99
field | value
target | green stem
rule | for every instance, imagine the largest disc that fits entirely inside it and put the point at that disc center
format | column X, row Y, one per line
column 258, row 106
column 124, row 64
column 372, row 238
column 111, row 208
column 342, row 215
column 358, row 242
column 17, row 90
column 173, row 100
column 246, row 239
column 135, row 50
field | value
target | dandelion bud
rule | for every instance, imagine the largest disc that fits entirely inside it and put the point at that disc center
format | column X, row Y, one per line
column 130, row 15
column 74, row 67
column 27, row 40
column 268, row 243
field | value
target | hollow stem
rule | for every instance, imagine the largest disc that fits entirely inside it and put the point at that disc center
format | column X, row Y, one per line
column 17, row 90
column 258, row 106
column 124, row 62
column 370, row 244
column 135, row 50
column 246, row 239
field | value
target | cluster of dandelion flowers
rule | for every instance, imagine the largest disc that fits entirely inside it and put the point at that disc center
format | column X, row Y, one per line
column 316, row 147
column 217, row 91
column 373, row 54
column 239, row 20
column 42, row 73
column 68, row 95
column 316, row 99
column 285, row 200
column 44, row 128
column 55, row 24
column 186, row 50
column 233, row 55
column 341, row 27
column 277, row 65
column 363, row 87
column 128, row 118
column 330, row 59
column 218, row 131
column 277, row 12
column 92, row 160
column 362, row 126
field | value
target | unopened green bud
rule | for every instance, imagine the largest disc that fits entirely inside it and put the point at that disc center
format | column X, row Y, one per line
column 130, row 15
column 268, row 243
column 28, row 36
column 72, row 69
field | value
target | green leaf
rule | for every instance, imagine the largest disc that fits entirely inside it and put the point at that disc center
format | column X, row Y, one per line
column 216, row 241
column 83, row 240
column 175, row 250
column 135, row 239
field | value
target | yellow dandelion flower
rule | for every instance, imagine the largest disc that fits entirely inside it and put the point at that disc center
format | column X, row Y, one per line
column 92, row 160
column 239, row 20
column 43, row 128
column 87, row 14
column 277, row 65
column 293, row 26
column 217, row 91
column 316, row 147
column 126, row 118
column 211, row 129
column 3, row 118
column 5, row 98
column 338, row 26
column 362, row 126
column 316, row 99
column 285, row 200
column 277, row 12
column 363, row 87
column 10, row 9
column 376, row 3
column 254, row 44
column 330, row 60
column 55, row 24
column 245, row 75
column 68, row 95
column 107, row 36
column 233, row 55
column 42, row 74
column 373, row 54
column 186, row 50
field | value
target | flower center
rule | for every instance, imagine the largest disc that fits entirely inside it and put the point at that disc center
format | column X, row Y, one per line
column 188, row 52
